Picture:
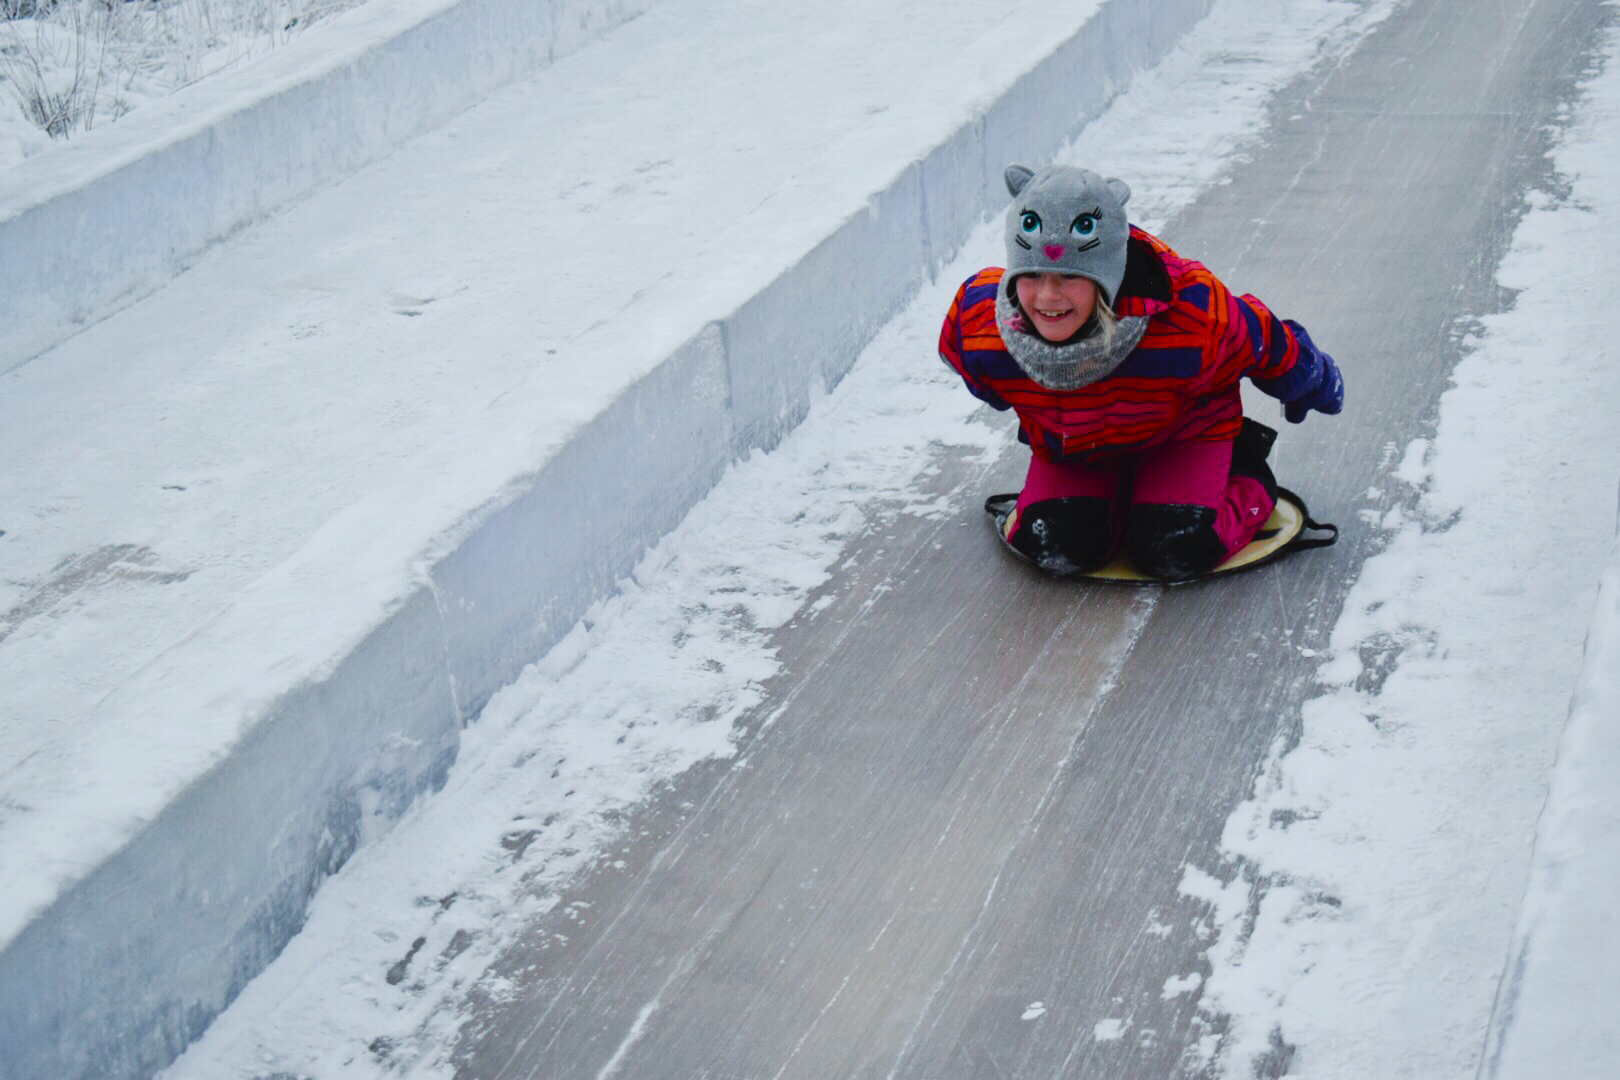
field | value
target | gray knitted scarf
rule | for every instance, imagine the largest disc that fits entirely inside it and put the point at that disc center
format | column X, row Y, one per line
column 1072, row 364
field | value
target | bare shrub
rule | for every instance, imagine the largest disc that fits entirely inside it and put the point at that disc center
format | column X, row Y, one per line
column 53, row 69
column 71, row 64
column 24, row 9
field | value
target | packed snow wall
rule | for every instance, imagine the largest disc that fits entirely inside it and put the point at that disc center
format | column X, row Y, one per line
column 133, row 960
column 98, row 222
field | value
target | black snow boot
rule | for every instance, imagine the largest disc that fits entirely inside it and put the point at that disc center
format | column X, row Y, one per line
column 1174, row 541
column 1068, row 535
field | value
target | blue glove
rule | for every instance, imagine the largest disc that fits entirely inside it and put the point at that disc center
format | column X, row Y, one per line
column 1326, row 397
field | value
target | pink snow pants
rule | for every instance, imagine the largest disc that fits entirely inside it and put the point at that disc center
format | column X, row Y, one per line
column 1144, row 492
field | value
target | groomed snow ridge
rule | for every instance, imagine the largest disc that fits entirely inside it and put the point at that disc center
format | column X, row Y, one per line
column 94, row 224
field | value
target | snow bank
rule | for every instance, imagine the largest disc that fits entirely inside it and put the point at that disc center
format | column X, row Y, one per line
column 1563, row 972
column 1372, row 882
column 95, row 223
column 374, row 644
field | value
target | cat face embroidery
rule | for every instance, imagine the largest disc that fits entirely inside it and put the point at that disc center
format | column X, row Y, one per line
column 1067, row 221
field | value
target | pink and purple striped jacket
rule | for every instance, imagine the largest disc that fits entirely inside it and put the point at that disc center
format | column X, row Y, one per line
column 1180, row 382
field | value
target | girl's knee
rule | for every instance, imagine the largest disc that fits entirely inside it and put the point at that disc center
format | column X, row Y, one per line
column 1174, row 540
column 1070, row 535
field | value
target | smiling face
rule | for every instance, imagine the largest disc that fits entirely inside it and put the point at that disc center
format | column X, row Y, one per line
column 1057, row 306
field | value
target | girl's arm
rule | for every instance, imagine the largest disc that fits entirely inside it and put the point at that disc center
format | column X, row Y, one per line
column 1284, row 362
column 968, row 353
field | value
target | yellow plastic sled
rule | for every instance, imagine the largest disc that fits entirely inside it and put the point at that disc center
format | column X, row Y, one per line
column 1284, row 533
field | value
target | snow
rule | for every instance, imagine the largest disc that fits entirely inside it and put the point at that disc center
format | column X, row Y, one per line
column 103, row 219
column 1110, row 1030
column 69, row 66
column 650, row 682
column 1374, row 877
column 1176, row 985
column 1565, row 957
column 530, row 801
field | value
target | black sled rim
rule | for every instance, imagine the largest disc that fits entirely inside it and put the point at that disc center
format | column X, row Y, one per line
column 999, row 506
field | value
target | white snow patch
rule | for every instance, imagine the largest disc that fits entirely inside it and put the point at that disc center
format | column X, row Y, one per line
column 1111, row 1030
column 1388, row 848
column 1414, row 468
column 1176, row 985
column 1035, row 1011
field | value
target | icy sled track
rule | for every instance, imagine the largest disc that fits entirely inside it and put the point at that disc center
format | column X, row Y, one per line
column 965, row 829
column 273, row 533
column 961, row 846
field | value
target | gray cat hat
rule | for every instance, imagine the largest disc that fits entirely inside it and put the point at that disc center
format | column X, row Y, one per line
column 1068, row 221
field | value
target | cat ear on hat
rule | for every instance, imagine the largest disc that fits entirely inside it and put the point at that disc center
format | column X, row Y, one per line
column 1119, row 189
column 1017, row 176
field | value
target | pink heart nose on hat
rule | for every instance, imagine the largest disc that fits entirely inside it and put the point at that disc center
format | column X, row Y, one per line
column 1054, row 252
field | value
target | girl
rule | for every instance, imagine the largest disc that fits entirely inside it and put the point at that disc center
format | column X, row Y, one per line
column 1122, row 361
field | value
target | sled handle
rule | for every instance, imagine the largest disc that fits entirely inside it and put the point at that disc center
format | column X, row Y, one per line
column 1302, row 542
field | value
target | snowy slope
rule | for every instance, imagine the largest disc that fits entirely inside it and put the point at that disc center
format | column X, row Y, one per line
column 92, row 224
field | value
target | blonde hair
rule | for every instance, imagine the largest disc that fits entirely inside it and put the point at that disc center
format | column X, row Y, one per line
column 1107, row 321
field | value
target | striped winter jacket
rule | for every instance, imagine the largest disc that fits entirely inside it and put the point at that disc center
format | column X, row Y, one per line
column 1180, row 382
